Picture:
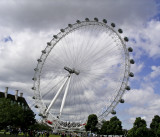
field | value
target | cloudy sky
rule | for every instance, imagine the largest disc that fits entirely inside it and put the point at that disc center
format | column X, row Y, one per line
column 26, row 26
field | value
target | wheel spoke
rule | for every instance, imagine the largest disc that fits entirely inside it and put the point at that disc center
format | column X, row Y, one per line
column 84, row 70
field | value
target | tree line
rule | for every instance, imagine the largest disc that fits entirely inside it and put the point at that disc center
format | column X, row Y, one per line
column 114, row 127
column 14, row 116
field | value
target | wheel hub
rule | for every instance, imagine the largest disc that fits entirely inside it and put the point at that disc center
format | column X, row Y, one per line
column 71, row 71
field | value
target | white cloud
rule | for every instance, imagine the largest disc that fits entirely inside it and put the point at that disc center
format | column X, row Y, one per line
column 140, row 96
column 18, row 59
column 144, row 103
column 155, row 71
column 137, row 67
column 146, row 39
column 153, row 75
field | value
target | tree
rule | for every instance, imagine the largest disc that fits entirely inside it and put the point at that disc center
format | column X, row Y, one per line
column 9, row 114
column 115, row 126
column 4, row 117
column 139, row 123
column 139, row 129
column 14, row 115
column 28, row 119
column 158, row 131
column 104, row 128
column 91, row 123
column 155, row 125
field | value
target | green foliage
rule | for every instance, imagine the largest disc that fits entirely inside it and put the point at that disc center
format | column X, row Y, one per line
column 14, row 115
column 115, row 127
column 139, row 129
column 139, row 123
column 142, row 132
column 28, row 119
column 91, row 123
column 131, row 132
column 4, row 117
column 112, row 127
column 9, row 114
column 155, row 125
column 158, row 131
column 138, row 132
column 104, row 128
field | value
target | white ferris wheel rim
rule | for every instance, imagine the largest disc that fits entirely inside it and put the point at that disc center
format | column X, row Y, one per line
column 52, row 44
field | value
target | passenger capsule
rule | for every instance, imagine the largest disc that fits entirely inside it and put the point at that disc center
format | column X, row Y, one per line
column 127, row 88
column 120, row 30
column 113, row 25
column 131, row 74
column 48, row 43
column 96, row 19
column 130, row 49
column 132, row 61
column 113, row 112
column 121, row 100
column 39, row 60
column 87, row 19
column 70, row 25
column 33, row 88
column 43, row 51
column 104, row 20
column 62, row 30
column 55, row 36
column 78, row 21
column 126, row 39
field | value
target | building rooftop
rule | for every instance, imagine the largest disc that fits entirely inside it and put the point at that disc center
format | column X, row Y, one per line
column 15, row 98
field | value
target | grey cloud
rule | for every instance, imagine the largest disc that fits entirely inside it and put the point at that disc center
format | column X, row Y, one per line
column 42, row 15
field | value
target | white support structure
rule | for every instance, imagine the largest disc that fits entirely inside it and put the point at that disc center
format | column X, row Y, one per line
column 64, row 96
column 57, row 94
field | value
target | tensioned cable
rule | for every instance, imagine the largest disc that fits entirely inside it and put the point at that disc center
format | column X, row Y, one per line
column 96, row 52
column 83, row 29
column 81, row 102
column 94, row 41
column 89, row 50
column 85, row 45
column 53, row 87
column 106, row 59
column 67, row 53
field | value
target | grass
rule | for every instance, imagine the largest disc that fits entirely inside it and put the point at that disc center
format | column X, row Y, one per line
column 53, row 136
column 2, row 135
column 21, row 135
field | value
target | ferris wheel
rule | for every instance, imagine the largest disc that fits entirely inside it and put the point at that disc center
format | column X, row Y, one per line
column 83, row 70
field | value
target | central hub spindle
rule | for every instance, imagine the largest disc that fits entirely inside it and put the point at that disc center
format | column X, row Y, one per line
column 71, row 71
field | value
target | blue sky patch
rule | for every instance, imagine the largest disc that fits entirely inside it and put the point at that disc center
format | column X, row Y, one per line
column 156, row 17
column 7, row 39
